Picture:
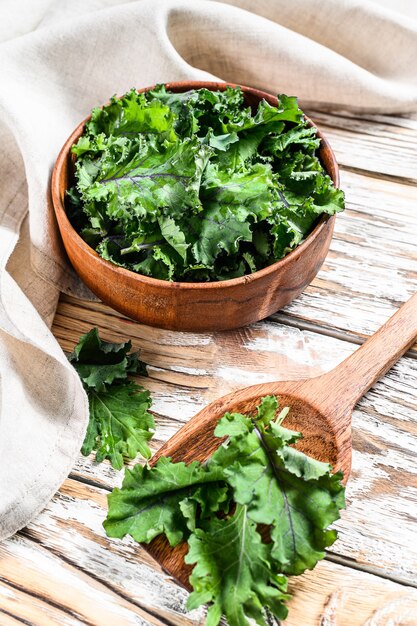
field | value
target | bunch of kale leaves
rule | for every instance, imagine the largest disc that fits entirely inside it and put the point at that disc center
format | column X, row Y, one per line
column 196, row 186
column 254, row 480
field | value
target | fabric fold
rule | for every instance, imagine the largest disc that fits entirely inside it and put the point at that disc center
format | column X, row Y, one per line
column 43, row 406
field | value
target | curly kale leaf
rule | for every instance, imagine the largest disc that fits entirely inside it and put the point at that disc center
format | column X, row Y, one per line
column 120, row 424
column 297, row 496
column 234, row 572
column 100, row 363
column 163, row 499
column 140, row 182
column 129, row 116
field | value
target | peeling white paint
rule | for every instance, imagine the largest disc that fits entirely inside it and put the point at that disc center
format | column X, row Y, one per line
column 190, row 371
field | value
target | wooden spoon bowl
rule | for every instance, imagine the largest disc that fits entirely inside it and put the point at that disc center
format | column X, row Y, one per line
column 320, row 408
column 194, row 307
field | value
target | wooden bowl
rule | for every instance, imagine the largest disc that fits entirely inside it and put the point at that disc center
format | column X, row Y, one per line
column 194, row 306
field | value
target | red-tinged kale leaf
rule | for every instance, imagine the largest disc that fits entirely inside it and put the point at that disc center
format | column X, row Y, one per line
column 196, row 186
column 255, row 479
column 120, row 425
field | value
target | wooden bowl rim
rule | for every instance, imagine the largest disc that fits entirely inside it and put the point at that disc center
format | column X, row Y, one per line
column 62, row 217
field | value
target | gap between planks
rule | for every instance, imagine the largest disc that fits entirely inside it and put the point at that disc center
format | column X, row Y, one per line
column 8, row 619
column 392, row 178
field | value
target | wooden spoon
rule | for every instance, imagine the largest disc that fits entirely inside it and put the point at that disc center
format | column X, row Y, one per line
column 321, row 408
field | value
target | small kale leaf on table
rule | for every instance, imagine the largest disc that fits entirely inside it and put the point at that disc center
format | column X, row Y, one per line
column 120, row 425
column 255, row 483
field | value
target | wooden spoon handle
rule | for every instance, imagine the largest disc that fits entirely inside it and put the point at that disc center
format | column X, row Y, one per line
column 350, row 380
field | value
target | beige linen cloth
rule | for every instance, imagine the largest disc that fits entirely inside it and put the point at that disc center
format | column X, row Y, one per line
column 58, row 59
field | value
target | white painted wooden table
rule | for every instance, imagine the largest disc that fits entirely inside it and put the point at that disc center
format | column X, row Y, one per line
column 63, row 570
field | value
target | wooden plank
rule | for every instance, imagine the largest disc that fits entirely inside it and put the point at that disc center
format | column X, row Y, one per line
column 366, row 120
column 332, row 595
column 382, row 492
column 71, row 526
column 37, row 572
column 388, row 126
column 25, row 608
column 383, row 148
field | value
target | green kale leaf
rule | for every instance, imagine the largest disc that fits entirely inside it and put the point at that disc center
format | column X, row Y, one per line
column 120, row 424
column 295, row 495
column 163, row 499
column 100, row 363
column 234, row 572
